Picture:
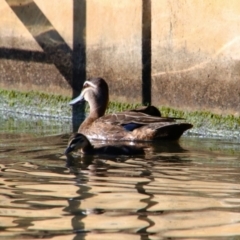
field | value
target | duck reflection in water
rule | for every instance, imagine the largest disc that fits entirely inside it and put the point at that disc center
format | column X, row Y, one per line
column 87, row 153
column 79, row 143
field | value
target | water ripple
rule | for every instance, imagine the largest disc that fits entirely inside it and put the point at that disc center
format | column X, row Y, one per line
column 186, row 190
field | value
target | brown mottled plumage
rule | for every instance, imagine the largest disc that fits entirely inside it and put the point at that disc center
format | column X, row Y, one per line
column 144, row 124
column 80, row 142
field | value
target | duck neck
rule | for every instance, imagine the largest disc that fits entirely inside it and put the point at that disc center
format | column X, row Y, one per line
column 95, row 113
column 97, row 108
column 87, row 148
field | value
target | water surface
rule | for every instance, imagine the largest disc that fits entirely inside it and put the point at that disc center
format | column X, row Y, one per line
column 189, row 190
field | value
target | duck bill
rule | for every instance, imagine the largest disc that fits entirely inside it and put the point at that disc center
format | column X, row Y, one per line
column 79, row 99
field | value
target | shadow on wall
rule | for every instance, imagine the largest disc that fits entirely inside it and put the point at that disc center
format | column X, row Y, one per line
column 70, row 63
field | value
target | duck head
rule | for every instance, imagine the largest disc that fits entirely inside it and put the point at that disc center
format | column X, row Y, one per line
column 95, row 92
column 77, row 142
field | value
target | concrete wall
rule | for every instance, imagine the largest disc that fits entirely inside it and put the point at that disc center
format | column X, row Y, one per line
column 114, row 45
column 196, row 54
column 195, row 57
column 24, row 65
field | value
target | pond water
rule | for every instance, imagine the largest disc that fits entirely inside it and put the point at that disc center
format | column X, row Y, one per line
column 185, row 190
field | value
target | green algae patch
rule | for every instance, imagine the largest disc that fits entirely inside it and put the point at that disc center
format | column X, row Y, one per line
column 34, row 103
column 31, row 97
column 51, row 105
column 204, row 118
column 119, row 107
column 34, row 112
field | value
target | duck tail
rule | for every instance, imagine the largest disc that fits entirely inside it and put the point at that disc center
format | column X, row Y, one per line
column 172, row 131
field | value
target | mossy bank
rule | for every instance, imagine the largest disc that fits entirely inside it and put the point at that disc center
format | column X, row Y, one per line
column 44, row 105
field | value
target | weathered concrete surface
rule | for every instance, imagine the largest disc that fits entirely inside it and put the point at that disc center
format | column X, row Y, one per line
column 196, row 54
column 114, row 46
column 23, row 63
column 27, row 76
column 195, row 50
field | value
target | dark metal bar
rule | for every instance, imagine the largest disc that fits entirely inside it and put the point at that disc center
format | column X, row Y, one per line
column 79, row 45
column 146, row 52
column 78, row 58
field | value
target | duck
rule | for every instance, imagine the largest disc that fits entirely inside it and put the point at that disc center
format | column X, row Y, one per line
column 79, row 142
column 144, row 124
column 150, row 110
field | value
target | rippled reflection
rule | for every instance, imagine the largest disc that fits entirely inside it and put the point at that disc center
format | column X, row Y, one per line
column 186, row 190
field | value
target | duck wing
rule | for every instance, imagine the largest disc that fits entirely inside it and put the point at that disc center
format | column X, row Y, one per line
column 128, row 127
column 150, row 110
column 132, row 120
column 140, row 118
column 136, row 126
column 161, row 131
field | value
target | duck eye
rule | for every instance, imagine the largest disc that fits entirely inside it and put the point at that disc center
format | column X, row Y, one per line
column 85, row 85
